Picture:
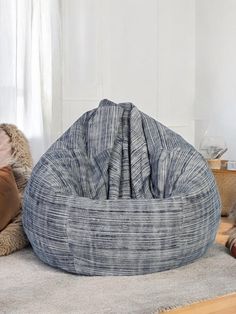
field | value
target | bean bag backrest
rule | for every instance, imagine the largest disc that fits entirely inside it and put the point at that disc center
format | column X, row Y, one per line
column 120, row 194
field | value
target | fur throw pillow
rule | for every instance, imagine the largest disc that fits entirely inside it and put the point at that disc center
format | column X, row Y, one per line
column 18, row 158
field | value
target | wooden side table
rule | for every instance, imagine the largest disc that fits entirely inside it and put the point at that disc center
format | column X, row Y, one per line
column 226, row 182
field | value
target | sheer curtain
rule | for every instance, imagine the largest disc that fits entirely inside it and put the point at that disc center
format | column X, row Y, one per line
column 31, row 69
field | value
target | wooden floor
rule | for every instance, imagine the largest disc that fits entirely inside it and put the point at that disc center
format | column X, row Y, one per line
column 221, row 305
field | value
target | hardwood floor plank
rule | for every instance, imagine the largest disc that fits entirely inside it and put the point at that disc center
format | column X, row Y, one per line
column 221, row 305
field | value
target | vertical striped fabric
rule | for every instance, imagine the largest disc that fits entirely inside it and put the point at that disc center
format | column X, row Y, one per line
column 120, row 194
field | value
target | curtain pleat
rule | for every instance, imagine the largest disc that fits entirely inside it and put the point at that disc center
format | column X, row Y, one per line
column 31, row 90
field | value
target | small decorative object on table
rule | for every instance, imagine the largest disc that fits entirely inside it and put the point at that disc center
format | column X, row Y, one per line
column 213, row 148
column 231, row 165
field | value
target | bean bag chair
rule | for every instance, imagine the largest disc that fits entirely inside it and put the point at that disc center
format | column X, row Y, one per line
column 120, row 194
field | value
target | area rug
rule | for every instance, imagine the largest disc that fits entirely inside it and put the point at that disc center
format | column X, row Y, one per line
column 29, row 286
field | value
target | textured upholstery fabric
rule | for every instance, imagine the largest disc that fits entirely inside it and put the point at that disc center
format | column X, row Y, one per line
column 120, row 194
column 9, row 197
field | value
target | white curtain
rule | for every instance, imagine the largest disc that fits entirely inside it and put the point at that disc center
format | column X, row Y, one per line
column 31, row 69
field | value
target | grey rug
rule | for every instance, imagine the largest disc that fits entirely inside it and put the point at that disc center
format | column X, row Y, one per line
column 29, row 286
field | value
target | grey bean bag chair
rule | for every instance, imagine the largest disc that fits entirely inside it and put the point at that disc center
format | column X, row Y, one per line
column 120, row 194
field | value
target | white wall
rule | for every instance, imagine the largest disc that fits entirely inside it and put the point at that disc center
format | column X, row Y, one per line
column 176, row 65
column 130, row 50
column 110, row 51
column 215, row 105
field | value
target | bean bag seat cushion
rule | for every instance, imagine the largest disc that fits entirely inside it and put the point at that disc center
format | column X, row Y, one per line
column 120, row 194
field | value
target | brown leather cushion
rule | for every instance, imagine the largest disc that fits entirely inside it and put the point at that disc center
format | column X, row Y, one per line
column 233, row 250
column 9, row 197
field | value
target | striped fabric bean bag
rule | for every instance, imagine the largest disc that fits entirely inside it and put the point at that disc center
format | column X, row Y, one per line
column 120, row 194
